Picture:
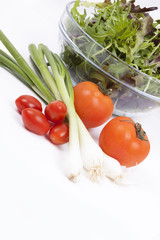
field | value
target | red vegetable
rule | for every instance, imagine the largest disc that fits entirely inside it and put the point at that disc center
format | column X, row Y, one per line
column 27, row 101
column 59, row 133
column 124, row 140
column 93, row 107
column 56, row 111
column 35, row 121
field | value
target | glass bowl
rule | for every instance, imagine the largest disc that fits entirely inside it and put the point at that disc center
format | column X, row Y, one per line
column 131, row 90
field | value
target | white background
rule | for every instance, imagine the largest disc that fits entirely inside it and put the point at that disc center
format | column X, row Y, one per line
column 37, row 201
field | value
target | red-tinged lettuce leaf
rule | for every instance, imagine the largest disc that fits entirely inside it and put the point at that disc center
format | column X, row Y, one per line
column 137, row 8
column 156, row 63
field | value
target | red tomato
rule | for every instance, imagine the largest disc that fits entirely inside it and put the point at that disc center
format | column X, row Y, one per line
column 93, row 107
column 59, row 133
column 125, row 141
column 27, row 101
column 56, row 111
column 35, row 121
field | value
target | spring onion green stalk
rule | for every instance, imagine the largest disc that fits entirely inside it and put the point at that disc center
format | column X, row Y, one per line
column 42, row 66
column 9, row 63
column 25, row 67
column 91, row 153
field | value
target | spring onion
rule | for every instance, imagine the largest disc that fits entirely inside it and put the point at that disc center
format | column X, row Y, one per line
column 74, row 163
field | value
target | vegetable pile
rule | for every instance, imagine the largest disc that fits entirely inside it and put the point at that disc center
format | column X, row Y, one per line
column 52, row 83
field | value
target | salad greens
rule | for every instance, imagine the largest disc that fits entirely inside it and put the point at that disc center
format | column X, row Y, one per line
column 127, row 31
column 120, row 38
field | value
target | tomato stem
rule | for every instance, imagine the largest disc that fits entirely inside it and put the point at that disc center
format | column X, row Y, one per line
column 139, row 132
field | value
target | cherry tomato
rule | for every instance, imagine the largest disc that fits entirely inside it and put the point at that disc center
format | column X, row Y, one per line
column 35, row 121
column 124, row 140
column 27, row 101
column 93, row 107
column 59, row 133
column 56, row 111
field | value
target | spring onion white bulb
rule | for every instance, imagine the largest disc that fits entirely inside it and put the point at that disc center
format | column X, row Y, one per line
column 95, row 161
column 91, row 153
column 74, row 164
column 112, row 168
